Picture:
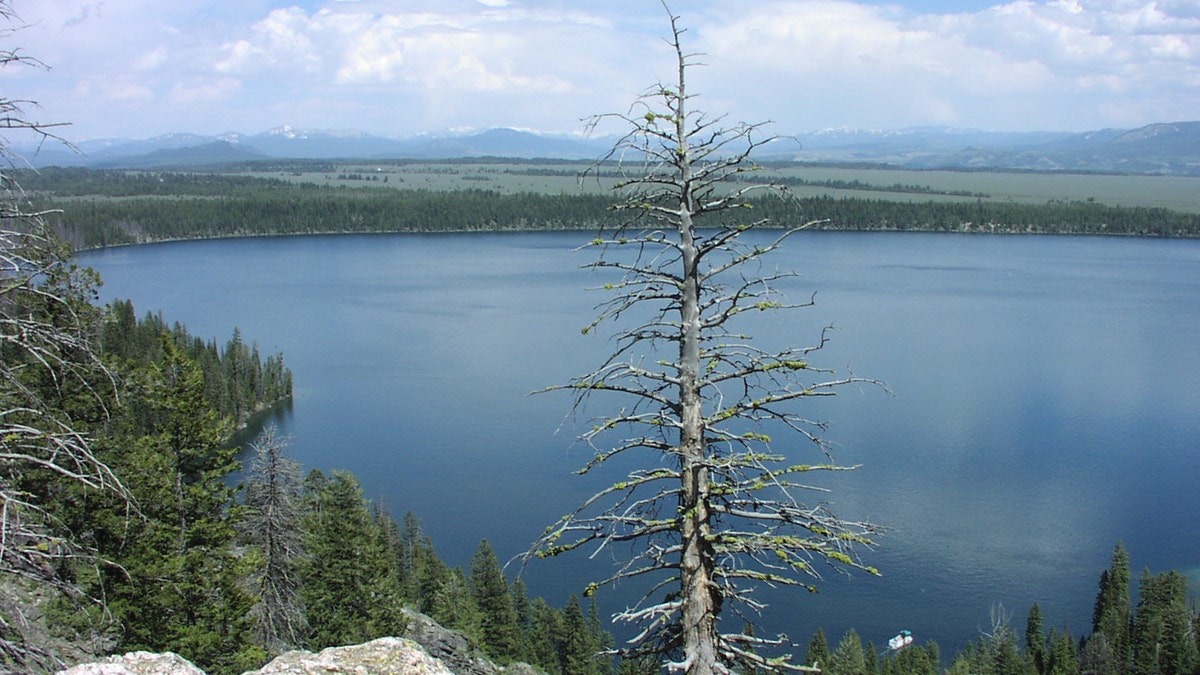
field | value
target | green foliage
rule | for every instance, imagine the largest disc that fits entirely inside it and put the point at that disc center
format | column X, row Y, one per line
column 995, row 653
column 1113, row 613
column 179, row 584
column 350, row 579
column 545, row 630
column 1164, row 629
column 454, row 607
column 237, row 380
column 1062, row 659
column 421, row 571
column 580, row 642
column 117, row 207
column 817, row 653
column 848, row 658
column 1035, row 639
column 500, row 629
column 918, row 660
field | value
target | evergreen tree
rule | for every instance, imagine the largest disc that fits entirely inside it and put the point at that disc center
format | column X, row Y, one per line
column 923, row 660
column 1062, row 659
column 523, row 612
column 348, row 574
column 421, row 571
column 994, row 653
column 1113, row 615
column 602, row 640
column 848, row 658
column 1164, row 640
column 453, row 606
column 817, row 654
column 1097, row 657
column 580, row 650
column 1035, row 639
column 872, row 659
column 179, row 586
column 500, row 630
column 545, row 629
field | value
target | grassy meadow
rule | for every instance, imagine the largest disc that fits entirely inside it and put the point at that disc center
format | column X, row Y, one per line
column 1177, row 193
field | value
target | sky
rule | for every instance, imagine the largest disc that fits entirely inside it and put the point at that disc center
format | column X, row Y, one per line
column 143, row 68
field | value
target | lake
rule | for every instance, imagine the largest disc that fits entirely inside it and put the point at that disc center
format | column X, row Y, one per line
column 1044, row 405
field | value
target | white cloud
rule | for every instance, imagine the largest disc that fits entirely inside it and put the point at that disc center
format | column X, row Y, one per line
column 406, row 66
column 1011, row 66
column 282, row 39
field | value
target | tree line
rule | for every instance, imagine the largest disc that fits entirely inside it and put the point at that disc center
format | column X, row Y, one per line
column 1155, row 636
column 107, row 208
column 188, row 560
column 183, row 559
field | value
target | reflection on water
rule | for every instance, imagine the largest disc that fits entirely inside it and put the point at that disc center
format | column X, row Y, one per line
column 1046, row 399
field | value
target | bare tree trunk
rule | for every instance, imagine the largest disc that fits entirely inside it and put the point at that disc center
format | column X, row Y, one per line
column 697, row 587
column 715, row 512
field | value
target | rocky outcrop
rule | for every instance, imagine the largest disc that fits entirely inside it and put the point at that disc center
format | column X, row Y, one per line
column 137, row 663
column 385, row 656
column 450, row 647
column 425, row 649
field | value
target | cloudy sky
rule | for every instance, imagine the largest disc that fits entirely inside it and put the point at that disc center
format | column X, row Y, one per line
column 140, row 68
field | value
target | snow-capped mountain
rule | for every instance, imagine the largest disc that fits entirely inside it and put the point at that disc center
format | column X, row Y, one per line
column 1158, row 148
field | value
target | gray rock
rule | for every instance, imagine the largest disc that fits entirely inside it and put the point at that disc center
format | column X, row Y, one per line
column 450, row 647
column 425, row 649
column 385, row 656
column 137, row 663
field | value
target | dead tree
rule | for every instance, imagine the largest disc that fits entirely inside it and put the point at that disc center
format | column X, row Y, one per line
column 715, row 511
column 272, row 524
column 47, row 355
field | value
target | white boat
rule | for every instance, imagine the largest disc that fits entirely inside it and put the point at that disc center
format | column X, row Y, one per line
column 901, row 641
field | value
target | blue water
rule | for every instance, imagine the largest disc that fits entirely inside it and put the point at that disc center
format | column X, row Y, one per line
column 1045, row 399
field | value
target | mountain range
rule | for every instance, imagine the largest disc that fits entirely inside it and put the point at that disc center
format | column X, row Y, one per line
column 1165, row 148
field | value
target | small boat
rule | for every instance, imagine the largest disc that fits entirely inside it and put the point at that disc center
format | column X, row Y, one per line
column 901, row 641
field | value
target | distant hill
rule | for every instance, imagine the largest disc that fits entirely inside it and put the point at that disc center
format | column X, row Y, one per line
column 208, row 154
column 1168, row 148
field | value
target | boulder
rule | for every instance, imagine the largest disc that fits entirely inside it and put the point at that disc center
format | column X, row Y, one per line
column 137, row 663
column 450, row 647
column 385, row 656
column 425, row 649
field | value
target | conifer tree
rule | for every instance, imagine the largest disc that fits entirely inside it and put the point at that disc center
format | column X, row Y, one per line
column 421, row 571
column 848, row 658
column 545, row 630
column 1113, row 615
column 453, row 606
column 350, row 584
column 179, row 585
column 1164, row 640
column 523, row 611
column 580, row 648
column 499, row 630
column 1035, row 639
column 817, row 654
column 1062, row 659
column 923, row 660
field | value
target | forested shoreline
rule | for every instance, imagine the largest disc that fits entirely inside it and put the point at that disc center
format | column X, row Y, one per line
column 187, row 559
column 95, row 209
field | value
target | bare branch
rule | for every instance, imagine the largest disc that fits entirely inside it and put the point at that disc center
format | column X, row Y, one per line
column 714, row 512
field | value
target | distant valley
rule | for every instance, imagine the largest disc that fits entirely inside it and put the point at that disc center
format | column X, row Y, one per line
column 1156, row 149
